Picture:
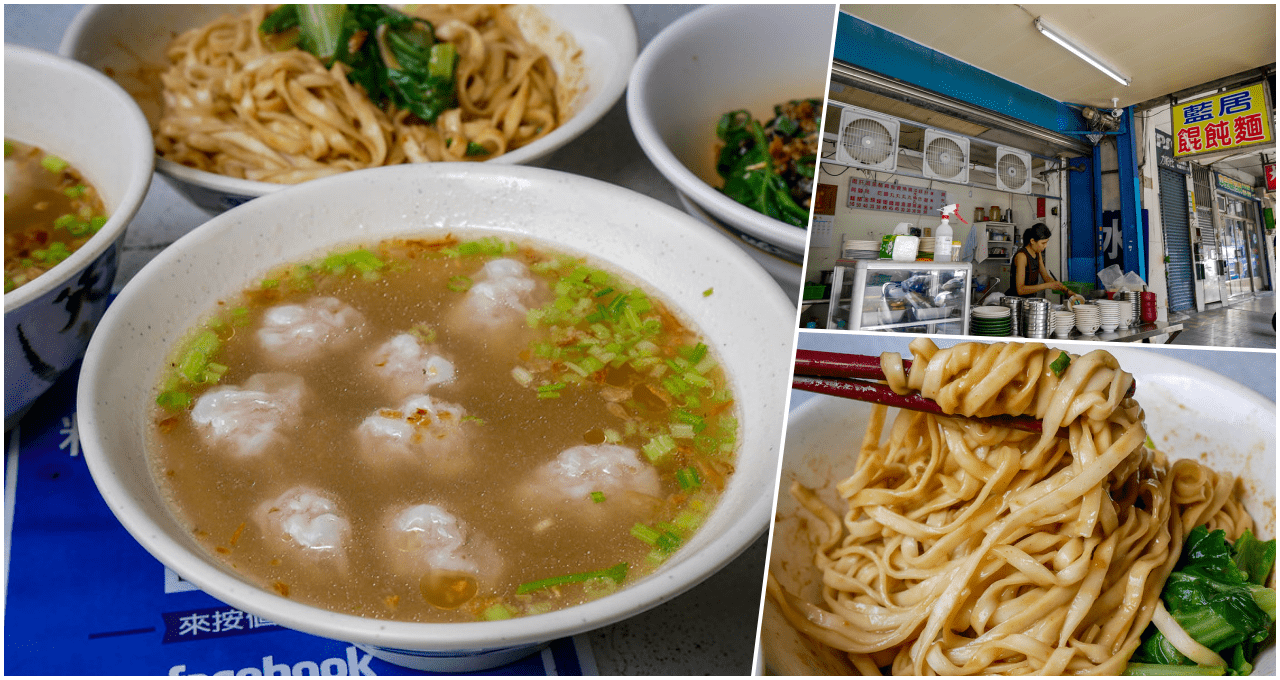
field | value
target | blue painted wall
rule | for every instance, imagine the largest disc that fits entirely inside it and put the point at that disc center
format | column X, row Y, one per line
column 875, row 49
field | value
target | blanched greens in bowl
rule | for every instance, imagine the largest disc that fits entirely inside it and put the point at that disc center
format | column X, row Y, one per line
column 769, row 167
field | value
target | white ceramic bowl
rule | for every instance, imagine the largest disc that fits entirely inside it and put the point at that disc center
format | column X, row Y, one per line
column 69, row 110
column 1237, row 435
column 745, row 319
column 715, row 60
column 606, row 35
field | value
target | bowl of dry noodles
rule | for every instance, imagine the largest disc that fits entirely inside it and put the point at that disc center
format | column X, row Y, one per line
column 910, row 544
column 245, row 99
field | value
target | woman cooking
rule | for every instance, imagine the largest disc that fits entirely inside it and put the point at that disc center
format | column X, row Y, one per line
column 1030, row 274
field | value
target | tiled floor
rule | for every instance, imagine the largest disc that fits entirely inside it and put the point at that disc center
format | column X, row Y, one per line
column 1241, row 324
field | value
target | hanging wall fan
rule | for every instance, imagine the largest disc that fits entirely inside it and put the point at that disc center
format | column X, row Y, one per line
column 1013, row 170
column 867, row 140
column 946, row 157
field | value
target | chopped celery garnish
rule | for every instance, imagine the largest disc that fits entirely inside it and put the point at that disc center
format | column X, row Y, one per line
column 597, row 496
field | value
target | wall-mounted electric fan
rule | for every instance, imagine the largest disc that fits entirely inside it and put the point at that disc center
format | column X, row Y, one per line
column 946, row 157
column 867, row 140
column 1013, row 170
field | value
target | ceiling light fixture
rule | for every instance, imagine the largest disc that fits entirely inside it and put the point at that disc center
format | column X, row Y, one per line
column 1055, row 35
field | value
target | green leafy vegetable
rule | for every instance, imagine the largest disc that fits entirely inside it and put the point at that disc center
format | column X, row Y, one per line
column 394, row 57
column 1216, row 595
column 759, row 162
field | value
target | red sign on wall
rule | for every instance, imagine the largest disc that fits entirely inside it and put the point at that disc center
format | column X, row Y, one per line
column 1270, row 172
column 869, row 194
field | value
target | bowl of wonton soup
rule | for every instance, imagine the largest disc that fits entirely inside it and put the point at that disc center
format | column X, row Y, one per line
column 65, row 109
column 706, row 281
column 592, row 49
column 824, row 435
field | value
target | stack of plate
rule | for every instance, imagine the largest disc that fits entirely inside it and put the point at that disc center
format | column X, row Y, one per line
column 991, row 321
column 1035, row 318
column 1088, row 318
column 926, row 246
column 860, row 250
column 1109, row 311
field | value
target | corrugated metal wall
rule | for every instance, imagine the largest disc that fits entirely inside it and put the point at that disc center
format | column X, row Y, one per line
column 1177, row 240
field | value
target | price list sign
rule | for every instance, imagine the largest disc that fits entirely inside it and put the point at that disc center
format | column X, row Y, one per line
column 867, row 194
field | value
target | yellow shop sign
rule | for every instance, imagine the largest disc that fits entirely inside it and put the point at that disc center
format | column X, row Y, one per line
column 1223, row 121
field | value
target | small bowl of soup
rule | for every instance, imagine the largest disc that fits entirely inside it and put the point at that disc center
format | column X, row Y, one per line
column 239, row 110
column 446, row 412
column 77, row 167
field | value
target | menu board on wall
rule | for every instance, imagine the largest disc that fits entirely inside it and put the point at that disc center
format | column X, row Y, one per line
column 867, row 194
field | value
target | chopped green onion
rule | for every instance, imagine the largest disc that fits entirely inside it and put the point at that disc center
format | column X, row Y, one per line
column 74, row 192
column 1060, row 364
column 270, row 283
column 708, row 292
column 617, row 573
column 688, row 478
column 473, row 419
column 659, row 447
column 174, row 400
column 597, row 496
column 459, row 284
column 553, row 387
column 498, row 612
column 96, row 223
column 54, row 164
column 645, row 533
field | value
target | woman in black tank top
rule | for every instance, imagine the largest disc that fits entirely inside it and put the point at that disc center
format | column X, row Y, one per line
column 1028, row 266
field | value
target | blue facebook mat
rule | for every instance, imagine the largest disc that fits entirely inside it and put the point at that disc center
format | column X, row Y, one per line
column 83, row 598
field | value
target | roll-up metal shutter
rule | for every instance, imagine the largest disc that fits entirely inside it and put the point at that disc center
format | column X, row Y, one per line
column 1177, row 240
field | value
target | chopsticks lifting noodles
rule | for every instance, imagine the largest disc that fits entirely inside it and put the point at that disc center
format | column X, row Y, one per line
column 880, row 393
column 854, row 376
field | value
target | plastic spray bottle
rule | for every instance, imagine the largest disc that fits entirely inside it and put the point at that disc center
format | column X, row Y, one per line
column 942, row 235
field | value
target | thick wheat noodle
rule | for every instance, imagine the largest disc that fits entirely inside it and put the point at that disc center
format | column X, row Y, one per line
column 235, row 107
column 968, row 549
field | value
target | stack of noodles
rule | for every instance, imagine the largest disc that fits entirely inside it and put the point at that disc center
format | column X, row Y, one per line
column 236, row 107
column 967, row 548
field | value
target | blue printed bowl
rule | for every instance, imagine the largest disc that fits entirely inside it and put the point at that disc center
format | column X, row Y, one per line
column 72, row 111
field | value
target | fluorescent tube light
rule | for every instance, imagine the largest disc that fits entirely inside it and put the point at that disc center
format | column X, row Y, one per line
column 1053, row 34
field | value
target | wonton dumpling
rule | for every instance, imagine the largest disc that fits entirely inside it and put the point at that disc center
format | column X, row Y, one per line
column 423, row 431
column 406, row 367
column 250, row 419
column 629, row 484
column 425, row 536
column 300, row 332
column 448, row 557
column 307, row 520
column 501, row 295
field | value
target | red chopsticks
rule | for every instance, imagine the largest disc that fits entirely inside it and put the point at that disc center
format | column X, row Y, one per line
column 850, row 376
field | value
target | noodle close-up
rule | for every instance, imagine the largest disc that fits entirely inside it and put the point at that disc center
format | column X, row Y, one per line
column 960, row 547
column 247, row 95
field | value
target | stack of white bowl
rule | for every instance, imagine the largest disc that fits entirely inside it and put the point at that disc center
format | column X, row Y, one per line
column 1109, row 312
column 1088, row 318
column 1063, row 322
